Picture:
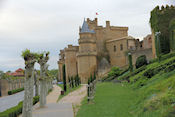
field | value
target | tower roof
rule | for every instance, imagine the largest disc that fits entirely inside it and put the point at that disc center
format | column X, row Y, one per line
column 85, row 28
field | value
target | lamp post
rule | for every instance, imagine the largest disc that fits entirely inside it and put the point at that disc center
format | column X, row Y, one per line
column 157, row 34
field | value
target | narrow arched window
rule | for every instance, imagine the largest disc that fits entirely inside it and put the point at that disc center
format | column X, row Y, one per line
column 115, row 49
column 121, row 47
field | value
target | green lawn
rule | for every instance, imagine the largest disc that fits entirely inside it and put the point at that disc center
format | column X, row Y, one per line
column 69, row 90
column 111, row 100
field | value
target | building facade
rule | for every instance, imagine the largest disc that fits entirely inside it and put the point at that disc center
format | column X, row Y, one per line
column 99, row 49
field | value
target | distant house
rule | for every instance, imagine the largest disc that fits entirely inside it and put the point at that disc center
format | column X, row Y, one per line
column 18, row 73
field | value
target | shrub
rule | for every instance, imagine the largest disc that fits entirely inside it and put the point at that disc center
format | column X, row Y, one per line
column 141, row 60
column 115, row 71
column 15, row 91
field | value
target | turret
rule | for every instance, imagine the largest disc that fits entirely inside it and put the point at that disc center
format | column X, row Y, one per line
column 87, row 61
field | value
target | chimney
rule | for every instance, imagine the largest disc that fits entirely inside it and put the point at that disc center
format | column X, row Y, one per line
column 88, row 20
column 96, row 21
column 107, row 24
column 69, row 46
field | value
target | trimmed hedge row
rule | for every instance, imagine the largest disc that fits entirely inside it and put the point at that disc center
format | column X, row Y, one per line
column 163, row 57
column 136, row 71
column 15, row 91
column 17, row 110
column 167, row 67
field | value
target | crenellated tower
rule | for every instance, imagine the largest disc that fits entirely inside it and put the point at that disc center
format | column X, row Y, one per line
column 87, row 55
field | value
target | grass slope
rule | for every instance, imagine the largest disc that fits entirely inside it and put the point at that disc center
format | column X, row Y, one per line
column 142, row 97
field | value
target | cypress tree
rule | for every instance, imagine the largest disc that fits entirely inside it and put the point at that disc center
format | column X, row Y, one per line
column 130, row 62
column 64, row 78
column 72, row 79
column 94, row 76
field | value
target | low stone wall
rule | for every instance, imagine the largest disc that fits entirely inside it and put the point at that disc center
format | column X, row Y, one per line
column 7, row 85
column 4, row 87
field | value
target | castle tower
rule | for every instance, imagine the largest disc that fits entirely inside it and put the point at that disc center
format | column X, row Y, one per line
column 71, row 61
column 61, row 62
column 87, row 55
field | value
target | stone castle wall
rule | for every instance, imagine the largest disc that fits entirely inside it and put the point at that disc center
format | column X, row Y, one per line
column 71, row 61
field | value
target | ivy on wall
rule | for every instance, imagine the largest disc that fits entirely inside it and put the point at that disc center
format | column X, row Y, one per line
column 160, row 21
column 172, row 34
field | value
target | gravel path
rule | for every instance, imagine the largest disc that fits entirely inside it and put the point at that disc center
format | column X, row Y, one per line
column 75, row 98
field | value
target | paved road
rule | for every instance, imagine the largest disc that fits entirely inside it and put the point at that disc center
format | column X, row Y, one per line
column 10, row 101
column 7, row 102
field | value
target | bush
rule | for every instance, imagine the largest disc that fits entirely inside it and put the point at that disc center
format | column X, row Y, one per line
column 163, row 57
column 127, row 76
column 115, row 71
column 15, row 91
column 141, row 60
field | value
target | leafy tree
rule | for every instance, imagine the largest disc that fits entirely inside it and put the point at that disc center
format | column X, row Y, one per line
column 54, row 73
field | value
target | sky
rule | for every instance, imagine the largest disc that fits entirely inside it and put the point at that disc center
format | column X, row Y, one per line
column 50, row 25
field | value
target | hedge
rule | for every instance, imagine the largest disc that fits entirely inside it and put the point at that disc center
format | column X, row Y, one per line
column 136, row 71
column 17, row 110
column 163, row 57
column 167, row 67
column 15, row 91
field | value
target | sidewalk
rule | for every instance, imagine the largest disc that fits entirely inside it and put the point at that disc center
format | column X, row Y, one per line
column 54, row 109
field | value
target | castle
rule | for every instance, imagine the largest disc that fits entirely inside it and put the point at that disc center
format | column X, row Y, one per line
column 99, row 49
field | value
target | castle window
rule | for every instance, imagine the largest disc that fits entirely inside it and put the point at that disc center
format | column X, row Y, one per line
column 121, row 46
column 115, row 49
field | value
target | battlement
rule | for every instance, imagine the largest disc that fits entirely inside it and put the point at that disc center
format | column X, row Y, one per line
column 164, row 8
column 93, row 25
column 71, row 48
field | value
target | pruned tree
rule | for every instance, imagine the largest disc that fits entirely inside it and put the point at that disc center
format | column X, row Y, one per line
column 43, row 59
column 36, row 83
column 30, row 59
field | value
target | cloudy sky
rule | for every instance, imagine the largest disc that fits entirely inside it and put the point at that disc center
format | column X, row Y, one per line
column 49, row 25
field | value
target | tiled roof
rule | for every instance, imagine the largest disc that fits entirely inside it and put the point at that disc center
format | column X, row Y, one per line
column 85, row 28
